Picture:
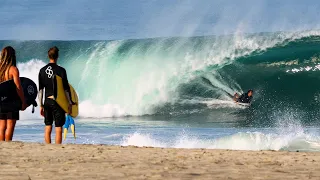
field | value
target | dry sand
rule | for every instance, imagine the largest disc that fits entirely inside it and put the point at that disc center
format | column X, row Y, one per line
column 39, row 161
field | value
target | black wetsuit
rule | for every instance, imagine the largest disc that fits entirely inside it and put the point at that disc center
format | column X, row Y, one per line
column 244, row 98
column 52, row 111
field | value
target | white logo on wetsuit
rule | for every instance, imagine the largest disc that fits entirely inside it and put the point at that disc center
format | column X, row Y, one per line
column 49, row 71
column 3, row 98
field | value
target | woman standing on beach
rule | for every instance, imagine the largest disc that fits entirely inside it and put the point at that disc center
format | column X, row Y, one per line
column 8, row 71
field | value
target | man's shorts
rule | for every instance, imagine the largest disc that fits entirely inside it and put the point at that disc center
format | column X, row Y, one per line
column 53, row 112
column 9, row 115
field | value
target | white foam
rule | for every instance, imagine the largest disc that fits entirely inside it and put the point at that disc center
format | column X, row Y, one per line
column 240, row 141
column 140, row 140
column 288, row 134
column 304, row 69
column 213, row 103
column 91, row 110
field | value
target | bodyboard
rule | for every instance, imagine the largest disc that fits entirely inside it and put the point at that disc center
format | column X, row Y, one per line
column 9, row 98
column 30, row 91
column 244, row 104
column 62, row 100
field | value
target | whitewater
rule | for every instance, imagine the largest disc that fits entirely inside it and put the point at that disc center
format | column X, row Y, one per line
column 175, row 92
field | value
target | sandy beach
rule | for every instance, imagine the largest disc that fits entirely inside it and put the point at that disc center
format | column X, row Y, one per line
column 39, row 161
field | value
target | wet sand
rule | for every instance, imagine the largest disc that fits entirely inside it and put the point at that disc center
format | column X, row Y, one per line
column 77, row 162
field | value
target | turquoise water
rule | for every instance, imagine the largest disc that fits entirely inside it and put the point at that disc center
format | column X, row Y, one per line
column 149, row 79
column 175, row 92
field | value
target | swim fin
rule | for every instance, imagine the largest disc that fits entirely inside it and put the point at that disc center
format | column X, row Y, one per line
column 73, row 127
column 69, row 123
column 66, row 127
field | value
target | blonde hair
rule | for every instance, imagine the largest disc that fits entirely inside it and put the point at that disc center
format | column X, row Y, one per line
column 7, row 59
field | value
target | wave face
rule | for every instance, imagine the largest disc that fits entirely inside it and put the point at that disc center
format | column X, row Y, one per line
column 177, row 76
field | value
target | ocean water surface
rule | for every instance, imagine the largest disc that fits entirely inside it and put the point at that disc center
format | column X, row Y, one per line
column 145, row 79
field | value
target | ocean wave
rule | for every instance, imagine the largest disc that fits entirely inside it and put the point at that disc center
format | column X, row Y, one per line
column 139, row 77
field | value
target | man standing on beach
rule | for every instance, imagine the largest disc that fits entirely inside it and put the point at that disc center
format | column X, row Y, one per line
column 50, row 109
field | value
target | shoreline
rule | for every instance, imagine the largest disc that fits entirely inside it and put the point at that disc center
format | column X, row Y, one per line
column 26, row 160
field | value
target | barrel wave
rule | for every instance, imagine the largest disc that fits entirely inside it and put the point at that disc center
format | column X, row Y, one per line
column 178, row 76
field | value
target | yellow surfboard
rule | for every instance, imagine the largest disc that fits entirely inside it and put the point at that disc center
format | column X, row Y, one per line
column 62, row 100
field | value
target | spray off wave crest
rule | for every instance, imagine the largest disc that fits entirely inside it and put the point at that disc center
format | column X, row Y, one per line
column 138, row 77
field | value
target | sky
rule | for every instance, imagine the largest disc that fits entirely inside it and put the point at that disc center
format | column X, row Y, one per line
column 132, row 19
